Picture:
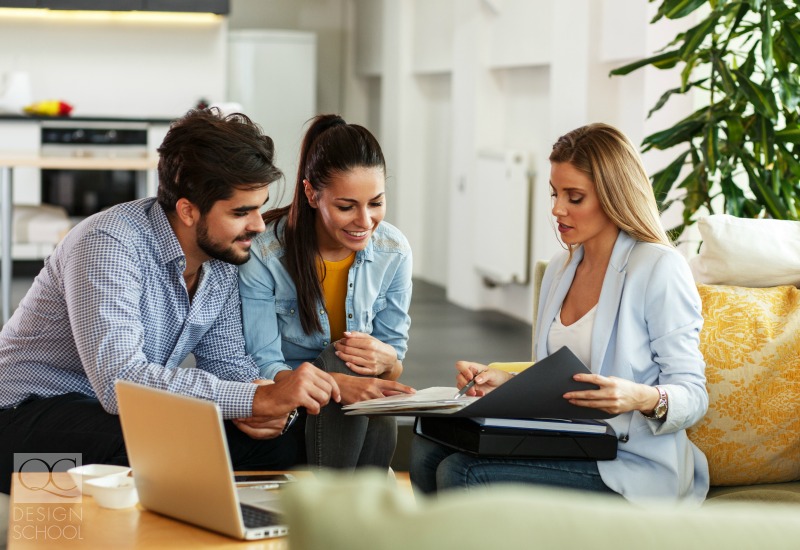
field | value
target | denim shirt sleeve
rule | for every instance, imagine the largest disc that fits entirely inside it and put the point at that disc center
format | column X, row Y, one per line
column 259, row 317
column 391, row 323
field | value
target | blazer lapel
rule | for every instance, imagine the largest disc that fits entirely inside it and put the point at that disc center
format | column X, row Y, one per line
column 610, row 298
column 555, row 297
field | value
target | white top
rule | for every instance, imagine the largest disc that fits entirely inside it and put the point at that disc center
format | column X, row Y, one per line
column 577, row 336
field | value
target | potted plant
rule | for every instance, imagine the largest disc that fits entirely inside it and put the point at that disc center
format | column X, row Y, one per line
column 742, row 145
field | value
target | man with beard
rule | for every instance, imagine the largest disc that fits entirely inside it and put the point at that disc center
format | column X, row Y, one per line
column 132, row 291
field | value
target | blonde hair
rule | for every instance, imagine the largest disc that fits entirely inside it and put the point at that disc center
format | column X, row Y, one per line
column 609, row 159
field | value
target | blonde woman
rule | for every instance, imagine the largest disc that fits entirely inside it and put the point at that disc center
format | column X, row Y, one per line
column 623, row 300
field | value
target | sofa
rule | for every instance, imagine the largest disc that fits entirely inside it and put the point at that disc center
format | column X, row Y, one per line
column 367, row 511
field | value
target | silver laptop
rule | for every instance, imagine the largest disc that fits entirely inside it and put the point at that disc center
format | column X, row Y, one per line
column 179, row 454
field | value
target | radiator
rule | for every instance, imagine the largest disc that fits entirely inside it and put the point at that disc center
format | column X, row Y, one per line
column 501, row 211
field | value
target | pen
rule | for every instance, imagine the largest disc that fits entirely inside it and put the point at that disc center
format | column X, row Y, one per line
column 469, row 384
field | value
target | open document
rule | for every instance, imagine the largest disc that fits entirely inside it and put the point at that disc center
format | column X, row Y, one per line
column 536, row 392
column 436, row 399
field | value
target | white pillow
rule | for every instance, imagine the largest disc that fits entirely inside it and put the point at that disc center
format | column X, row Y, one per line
column 747, row 252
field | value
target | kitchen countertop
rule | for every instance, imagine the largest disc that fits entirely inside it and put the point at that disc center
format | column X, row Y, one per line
column 79, row 163
column 94, row 118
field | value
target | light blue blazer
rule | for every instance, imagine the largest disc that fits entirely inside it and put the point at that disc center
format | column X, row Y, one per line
column 647, row 330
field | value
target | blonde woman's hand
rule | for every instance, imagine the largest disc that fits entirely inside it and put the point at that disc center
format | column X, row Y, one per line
column 486, row 379
column 614, row 395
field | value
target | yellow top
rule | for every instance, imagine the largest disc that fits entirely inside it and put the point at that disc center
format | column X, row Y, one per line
column 334, row 291
column 513, row 367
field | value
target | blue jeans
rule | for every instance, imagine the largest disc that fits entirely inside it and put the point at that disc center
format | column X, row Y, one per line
column 435, row 468
column 335, row 440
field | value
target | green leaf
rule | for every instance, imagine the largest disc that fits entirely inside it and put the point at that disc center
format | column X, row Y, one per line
column 683, row 131
column 752, row 209
column 681, row 8
column 664, row 179
column 666, row 95
column 741, row 11
column 763, row 191
column 696, row 35
column 735, row 130
column 763, row 100
column 675, row 233
column 789, row 37
column 711, row 146
column 787, row 162
column 665, row 60
column 694, row 198
column 766, row 41
column 728, row 84
column 686, row 73
column 784, row 12
column 734, row 197
column 749, row 64
column 789, row 91
column 788, row 135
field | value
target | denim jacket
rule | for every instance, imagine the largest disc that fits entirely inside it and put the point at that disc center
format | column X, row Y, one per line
column 378, row 297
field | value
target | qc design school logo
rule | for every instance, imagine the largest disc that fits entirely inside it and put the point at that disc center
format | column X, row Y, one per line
column 43, row 478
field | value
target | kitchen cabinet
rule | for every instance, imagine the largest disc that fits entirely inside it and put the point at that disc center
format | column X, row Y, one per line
column 205, row 6
column 106, row 5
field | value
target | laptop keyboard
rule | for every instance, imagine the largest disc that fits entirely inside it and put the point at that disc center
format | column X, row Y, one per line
column 258, row 517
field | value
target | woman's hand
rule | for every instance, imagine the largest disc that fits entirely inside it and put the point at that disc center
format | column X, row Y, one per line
column 486, row 379
column 614, row 395
column 366, row 355
column 357, row 388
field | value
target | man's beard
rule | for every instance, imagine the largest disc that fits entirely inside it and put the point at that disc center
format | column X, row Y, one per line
column 221, row 252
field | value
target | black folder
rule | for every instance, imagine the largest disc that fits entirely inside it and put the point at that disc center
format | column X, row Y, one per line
column 467, row 436
column 536, row 392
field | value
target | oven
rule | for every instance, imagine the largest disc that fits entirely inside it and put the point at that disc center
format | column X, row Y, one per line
column 84, row 192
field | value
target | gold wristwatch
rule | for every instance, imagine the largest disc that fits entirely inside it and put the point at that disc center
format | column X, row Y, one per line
column 660, row 412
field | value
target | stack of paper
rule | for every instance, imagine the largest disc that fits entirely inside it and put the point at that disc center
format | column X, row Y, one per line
column 551, row 424
column 437, row 399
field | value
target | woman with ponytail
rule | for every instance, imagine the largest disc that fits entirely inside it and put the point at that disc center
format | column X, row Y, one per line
column 329, row 282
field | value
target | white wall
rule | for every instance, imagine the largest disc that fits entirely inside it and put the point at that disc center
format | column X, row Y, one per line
column 117, row 65
column 458, row 76
column 325, row 18
column 436, row 80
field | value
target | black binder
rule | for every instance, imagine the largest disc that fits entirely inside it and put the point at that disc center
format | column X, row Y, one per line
column 467, row 436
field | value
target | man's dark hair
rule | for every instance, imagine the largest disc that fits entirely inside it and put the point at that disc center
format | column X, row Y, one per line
column 205, row 156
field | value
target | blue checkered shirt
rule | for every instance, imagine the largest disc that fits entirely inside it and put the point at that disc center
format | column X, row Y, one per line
column 111, row 303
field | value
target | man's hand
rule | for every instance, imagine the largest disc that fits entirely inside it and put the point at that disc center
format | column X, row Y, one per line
column 357, row 388
column 261, row 427
column 306, row 386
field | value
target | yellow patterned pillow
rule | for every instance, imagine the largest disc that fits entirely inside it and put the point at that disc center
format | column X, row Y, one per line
column 751, row 343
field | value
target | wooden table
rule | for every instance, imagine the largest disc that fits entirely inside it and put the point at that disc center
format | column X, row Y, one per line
column 84, row 524
column 7, row 164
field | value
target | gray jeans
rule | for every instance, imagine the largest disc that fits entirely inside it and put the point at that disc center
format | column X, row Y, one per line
column 334, row 440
